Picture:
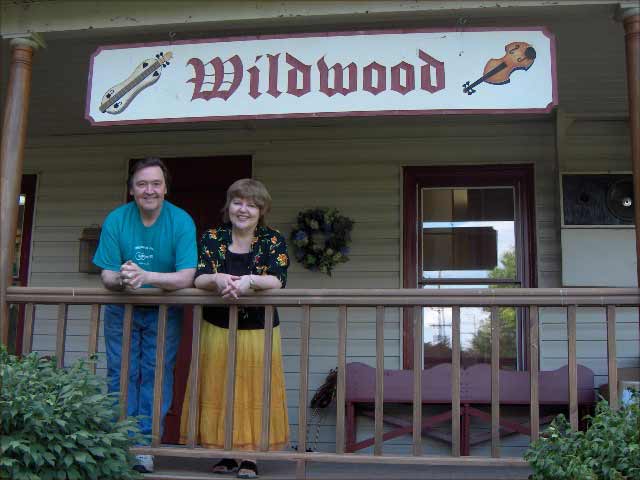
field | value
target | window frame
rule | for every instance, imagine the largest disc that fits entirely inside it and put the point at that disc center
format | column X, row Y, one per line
column 518, row 176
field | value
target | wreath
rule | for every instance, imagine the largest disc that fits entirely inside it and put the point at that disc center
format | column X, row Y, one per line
column 322, row 237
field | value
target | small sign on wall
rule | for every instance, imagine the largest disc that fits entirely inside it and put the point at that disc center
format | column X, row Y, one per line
column 392, row 72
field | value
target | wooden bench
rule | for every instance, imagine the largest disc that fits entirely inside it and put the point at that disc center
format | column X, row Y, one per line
column 475, row 392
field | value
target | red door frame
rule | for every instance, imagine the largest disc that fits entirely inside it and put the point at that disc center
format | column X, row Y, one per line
column 521, row 177
column 28, row 188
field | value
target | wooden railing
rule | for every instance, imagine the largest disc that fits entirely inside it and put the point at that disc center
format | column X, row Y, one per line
column 532, row 299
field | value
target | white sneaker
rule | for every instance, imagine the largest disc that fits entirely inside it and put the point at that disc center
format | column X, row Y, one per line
column 144, row 464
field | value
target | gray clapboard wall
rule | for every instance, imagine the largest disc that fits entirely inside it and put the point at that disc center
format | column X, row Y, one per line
column 597, row 144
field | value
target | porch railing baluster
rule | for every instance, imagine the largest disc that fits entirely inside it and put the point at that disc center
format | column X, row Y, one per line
column 303, row 394
column 159, row 374
column 341, row 380
column 534, row 353
column 94, row 330
column 380, row 300
column 612, row 369
column 455, row 381
column 379, row 399
column 194, row 379
column 266, row 378
column 418, row 359
column 61, row 333
column 27, row 334
column 231, row 377
column 124, row 362
column 573, row 366
column 495, row 382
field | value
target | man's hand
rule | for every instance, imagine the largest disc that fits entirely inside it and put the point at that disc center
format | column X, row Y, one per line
column 132, row 275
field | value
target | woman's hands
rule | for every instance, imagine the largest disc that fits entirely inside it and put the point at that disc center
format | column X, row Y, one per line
column 230, row 286
column 236, row 286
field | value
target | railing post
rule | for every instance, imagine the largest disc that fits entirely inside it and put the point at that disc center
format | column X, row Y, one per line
column 534, row 356
column 305, row 333
column 455, row 381
column 27, row 338
column 418, row 360
column 612, row 368
column 495, row 382
column 231, row 377
column 124, row 362
column 94, row 331
column 61, row 334
column 341, row 380
column 379, row 399
column 156, row 419
column 573, row 367
column 194, row 379
column 266, row 378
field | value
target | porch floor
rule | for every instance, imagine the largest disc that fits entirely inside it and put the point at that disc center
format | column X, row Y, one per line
column 172, row 468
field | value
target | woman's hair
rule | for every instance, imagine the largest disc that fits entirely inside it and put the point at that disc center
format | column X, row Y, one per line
column 249, row 189
column 148, row 162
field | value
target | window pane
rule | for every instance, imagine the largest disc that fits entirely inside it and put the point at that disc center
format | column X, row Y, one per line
column 468, row 233
column 16, row 263
column 475, row 335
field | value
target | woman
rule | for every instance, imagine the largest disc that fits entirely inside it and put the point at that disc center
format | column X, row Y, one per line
column 241, row 256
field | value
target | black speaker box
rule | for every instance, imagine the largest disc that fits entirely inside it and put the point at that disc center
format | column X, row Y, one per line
column 597, row 199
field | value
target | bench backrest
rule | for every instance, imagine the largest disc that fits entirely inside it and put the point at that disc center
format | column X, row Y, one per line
column 475, row 385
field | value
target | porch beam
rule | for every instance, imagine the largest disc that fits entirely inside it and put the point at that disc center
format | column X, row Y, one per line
column 14, row 135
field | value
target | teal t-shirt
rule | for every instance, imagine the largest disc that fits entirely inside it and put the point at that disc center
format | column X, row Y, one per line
column 169, row 245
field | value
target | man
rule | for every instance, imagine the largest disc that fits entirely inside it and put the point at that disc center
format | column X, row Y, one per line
column 145, row 243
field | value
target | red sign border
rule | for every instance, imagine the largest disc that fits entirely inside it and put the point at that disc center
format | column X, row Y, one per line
column 354, row 113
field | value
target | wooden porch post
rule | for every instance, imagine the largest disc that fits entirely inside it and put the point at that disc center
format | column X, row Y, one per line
column 14, row 132
column 631, row 19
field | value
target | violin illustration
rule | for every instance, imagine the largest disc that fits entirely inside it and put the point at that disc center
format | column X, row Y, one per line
column 118, row 97
column 518, row 56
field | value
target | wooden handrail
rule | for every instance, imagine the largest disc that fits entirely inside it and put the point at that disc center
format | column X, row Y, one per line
column 512, row 297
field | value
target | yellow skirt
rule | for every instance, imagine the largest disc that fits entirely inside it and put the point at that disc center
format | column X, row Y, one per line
column 247, row 413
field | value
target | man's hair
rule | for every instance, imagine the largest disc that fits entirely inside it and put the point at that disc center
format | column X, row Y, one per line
column 249, row 189
column 148, row 162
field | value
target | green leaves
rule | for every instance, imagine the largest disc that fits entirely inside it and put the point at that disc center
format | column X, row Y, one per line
column 608, row 450
column 58, row 424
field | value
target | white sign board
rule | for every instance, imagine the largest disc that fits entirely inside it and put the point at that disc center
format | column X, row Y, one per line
column 387, row 72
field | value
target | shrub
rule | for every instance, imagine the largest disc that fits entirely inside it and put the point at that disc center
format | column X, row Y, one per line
column 58, row 424
column 608, row 450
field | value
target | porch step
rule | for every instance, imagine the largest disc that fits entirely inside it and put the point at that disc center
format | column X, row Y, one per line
column 197, row 469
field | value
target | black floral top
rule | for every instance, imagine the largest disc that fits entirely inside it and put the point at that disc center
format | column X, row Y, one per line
column 268, row 256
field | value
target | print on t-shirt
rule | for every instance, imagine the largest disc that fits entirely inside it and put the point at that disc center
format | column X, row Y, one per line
column 143, row 255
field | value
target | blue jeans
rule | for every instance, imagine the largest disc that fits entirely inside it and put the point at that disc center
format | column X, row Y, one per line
column 144, row 331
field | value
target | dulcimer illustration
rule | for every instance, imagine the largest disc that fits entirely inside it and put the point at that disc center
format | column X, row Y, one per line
column 118, row 97
column 518, row 56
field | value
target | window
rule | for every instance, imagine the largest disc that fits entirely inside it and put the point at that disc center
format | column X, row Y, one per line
column 468, row 227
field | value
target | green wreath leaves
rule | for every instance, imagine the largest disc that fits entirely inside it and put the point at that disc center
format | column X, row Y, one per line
column 321, row 239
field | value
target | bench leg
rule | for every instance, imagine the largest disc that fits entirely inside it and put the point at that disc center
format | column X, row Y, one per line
column 465, row 431
column 351, row 427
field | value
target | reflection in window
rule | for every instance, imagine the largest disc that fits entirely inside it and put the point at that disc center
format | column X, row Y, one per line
column 22, row 200
column 468, row 240
column 466, row 231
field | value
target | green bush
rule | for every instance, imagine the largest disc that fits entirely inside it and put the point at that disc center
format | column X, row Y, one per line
column 608, row 450
column 58, row 424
